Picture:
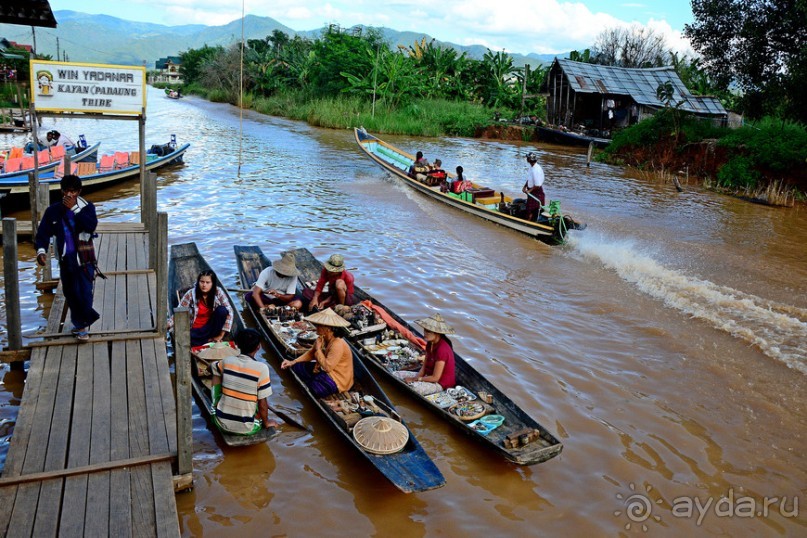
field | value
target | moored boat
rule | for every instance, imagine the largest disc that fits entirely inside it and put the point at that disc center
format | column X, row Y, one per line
column 386, row 342
column 16, row 169
column 409, row 468
column 569, row 138
column 184, row 266
column 108, row 170
column 552, row 226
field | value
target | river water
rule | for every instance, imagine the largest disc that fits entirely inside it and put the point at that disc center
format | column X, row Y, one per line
column 665, row 345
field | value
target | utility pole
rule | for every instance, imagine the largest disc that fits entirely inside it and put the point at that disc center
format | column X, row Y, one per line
column 57, row 49
column 33, row 32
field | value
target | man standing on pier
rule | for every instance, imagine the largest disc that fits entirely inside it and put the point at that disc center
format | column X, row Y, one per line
column 72, row 221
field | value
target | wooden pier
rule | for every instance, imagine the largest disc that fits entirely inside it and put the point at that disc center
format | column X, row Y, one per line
column 96, row 433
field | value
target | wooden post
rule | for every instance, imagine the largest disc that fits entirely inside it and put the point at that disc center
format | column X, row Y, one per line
column 33, row 198
column 182, row 366
column 588, row 156
column 42, row 203
column 12, row 287
column 150, row 209
column 142, row 135
column 161, row 268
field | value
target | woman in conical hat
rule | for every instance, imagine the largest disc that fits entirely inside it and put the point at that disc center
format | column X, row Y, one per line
column 326, row 368
column 437, row 373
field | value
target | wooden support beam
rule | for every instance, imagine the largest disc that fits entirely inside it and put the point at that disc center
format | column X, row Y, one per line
column 182, row 365
column 130, row 272
column 110, row 332
column 95, row 340
column 183, row 482
column 15, row 355
column 85, row 469
column 161, row 266
column 12, row 287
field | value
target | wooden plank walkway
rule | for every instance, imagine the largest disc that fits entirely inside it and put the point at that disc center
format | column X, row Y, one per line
column 105, row 409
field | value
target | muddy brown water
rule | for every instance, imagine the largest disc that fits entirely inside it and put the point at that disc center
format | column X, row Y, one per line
column 666, row 345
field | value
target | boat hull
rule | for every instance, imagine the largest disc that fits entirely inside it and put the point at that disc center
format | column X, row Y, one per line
column 410, row 470
column 540, row 450
column 184, row 266
column 101, row 179
column 565, row 138
column 394, row 161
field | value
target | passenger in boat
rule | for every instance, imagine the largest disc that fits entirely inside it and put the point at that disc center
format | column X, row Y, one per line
column 55, row 138
column 326, row 368
column 72, row 221
column 437, row 373
column 436, row 176
column 277, row 285
column 419, row 168
column 533, row 187
column 340, row 286
column 211, row 313
column 241, row 388
column 459, row 184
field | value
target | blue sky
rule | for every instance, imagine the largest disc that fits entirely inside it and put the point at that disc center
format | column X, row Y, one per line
column 523, row 26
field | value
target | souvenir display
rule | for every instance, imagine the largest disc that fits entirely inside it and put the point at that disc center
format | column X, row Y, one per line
column 441, row 399
column 467, row 411
column 461, row 394
column 298, row 335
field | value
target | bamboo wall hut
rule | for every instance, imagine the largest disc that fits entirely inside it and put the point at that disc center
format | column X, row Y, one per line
column 590, row 97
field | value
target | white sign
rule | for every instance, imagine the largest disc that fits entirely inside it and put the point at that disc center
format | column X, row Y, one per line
column 79, row 87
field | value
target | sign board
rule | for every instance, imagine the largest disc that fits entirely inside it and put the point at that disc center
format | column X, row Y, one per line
column 90, row 88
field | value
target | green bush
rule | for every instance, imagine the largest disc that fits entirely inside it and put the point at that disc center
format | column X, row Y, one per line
column 738, row 172
column 772, row 144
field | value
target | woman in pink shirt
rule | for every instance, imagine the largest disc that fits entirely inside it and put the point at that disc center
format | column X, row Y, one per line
column 437, row 372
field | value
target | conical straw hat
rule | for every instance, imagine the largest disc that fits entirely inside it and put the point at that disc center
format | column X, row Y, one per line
column 380, row 435
column 329, row 318
column 435, row 324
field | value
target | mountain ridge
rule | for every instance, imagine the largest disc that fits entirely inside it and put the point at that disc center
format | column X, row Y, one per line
column 111, row 40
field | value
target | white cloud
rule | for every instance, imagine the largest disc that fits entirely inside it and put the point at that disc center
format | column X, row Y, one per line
column 519, row 26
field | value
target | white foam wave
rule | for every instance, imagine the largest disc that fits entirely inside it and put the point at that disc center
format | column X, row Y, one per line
column 778, row 330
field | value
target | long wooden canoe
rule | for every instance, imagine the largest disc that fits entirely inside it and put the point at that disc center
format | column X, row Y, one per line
column 184, row 266
column 542, row 448
column 96, row 177
column 47, row 170
column 411, row 469
column 480, row 200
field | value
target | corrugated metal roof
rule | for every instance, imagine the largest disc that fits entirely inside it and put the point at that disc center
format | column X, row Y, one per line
column 27, row 13
column 639, row 84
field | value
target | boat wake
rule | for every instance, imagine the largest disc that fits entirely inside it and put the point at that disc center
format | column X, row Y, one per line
column 778, row 330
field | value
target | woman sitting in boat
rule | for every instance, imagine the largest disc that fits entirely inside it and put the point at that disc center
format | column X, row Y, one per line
column 437, row 372
column 211, row 314
column 420, row 167
column 326, row 368
column 460, row 183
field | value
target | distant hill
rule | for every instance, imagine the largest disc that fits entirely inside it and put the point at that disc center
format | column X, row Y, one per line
column 104, row 39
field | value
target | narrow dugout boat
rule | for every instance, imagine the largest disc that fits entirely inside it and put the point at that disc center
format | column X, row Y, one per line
column 184, row 266
column 410, row 469
column 551, row 227
column 502, row 426
column 109, row 169
column 16, row 170
column 569, row 138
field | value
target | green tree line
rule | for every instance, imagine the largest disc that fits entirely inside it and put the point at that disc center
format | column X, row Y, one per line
column 367, row 70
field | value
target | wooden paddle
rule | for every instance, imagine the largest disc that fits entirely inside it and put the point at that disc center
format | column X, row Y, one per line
column 287, row 419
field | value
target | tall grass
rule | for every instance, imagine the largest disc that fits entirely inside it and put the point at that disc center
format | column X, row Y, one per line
column 423, row 117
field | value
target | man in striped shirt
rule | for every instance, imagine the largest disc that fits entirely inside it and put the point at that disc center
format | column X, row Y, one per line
column 244, row 386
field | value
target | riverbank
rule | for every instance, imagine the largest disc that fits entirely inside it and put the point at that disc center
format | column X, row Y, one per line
column 727, row 162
